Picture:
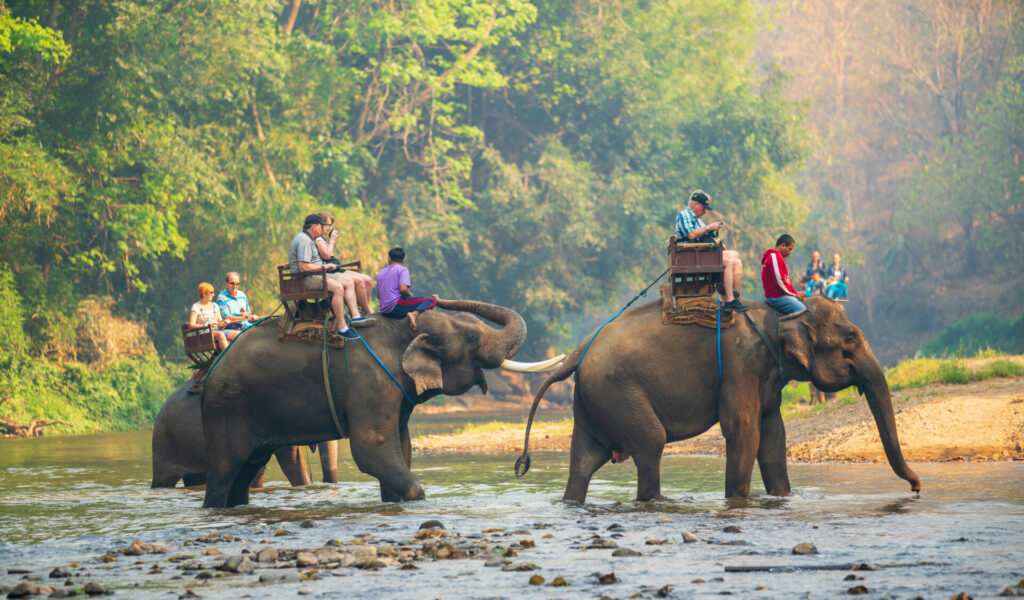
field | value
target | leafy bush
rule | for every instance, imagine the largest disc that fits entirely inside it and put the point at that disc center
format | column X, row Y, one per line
column 977, row 332
column 919, row 372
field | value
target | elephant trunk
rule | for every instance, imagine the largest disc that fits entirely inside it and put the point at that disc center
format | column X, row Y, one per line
column 876, row 390
column 513, row 332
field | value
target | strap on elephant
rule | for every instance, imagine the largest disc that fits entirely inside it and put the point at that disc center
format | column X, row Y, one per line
column 643, row 292
column 773, row 349
column 325, row 367
column 412, row 405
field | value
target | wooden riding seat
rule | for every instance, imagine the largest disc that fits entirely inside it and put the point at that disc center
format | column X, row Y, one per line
column 303, row 303
column 199, row 345
column 694, row 269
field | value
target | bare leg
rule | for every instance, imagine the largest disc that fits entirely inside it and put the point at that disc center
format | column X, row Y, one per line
column 727, row 279
column 412, row 319
column 737, row 270
column 364, row 288
column 337, row 301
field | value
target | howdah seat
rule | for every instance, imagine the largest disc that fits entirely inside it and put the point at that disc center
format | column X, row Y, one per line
column 694, row 269
column 300, row 301
column 199, row 345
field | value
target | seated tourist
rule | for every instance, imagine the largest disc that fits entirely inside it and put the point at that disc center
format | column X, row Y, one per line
column 691, row 229
column 325, row 246
column 205, row 313
column 838, row 278
column 816, row 286
column 234, row 306
column 396, row 299
column 304, row 257
column 816, row 265
column 778, row 289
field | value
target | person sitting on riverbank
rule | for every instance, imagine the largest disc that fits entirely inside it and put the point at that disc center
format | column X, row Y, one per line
column 205, row 313
column 325, row 246
column 234, row 306
column 778, row 289
column 396, row 299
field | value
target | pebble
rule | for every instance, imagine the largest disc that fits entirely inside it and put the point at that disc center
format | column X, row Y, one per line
column 607, row 578
column 431, row 524
column 805, row 548
column 204, row 575
column 239, row 563
column 602, row 543
column 1009, row 592
column 697, row 580
column 59, row 572
column 559, row 581
column 520, row 567
column 690, row 538
column 536, row 580
column 655, row 542
column 857, row 590
column 731, row 529
column 307, row 524
column 23, row 589
column 664, row 592
column 282, row 532
column 137, row 548
column 212, row 552
column 308, row 559
column 496, row 562
column 626, row 552
column 281, row 577
column 93, row 589
column 615, row 527
column 60, row 593
column 267, row 555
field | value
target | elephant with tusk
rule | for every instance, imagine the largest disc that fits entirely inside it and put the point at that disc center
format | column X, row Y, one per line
column 266, row 393
column 643, row 384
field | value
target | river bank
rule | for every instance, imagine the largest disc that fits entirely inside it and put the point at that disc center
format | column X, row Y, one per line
column 977, row 421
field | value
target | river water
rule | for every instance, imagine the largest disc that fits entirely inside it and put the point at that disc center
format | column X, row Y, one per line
column 71, row 499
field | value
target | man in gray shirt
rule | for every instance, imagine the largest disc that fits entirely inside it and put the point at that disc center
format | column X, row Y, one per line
column 303, row 256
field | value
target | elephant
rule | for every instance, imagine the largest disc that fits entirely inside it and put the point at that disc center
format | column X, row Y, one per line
column 179, row 448
column 266, row 393
column 643, row 384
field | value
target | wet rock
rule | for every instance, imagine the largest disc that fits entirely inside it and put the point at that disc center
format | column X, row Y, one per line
column 496, row 562
column 733, row 543
column 559, row 581
column 305, row 592
column 857, row 590
column 59, row 572
column 690, row 538
column 1020, row 584
column 189, row 594
column 405, row 556
column 107, row 558
column 962, row 596
column 626, row 552
column 762, row 587
column 239, row 563
column 521, row 532
column 155, row 570
column 204, row 575
column 370, row 564
column 159, row 548
column 1009, row 592
column 731, row 529
column 536, row 580
column 697, row 580
column 805, row 548
column 602, row 543
column 408, row 567
column 93, row 589
column 137, row 548
column 364, row 552
column 509, row 552
column 308, row 559
column 615, row 527
column 862, row 567
column 212, row 552
column 282, row 532
column 852, row 577
column 655, row 542
column 431, row 524
column 267, row 555
column 520, row 567
column 664, row 592
column 280, row 577
column 18, row 571
column 607, row 578
column 385, row 550
column 60, row 593
column 307, row 524
column 23, row 589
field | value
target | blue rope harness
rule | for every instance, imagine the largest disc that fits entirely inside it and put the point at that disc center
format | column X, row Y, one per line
column 643, row 292
column 412, row 405
column 718, row 338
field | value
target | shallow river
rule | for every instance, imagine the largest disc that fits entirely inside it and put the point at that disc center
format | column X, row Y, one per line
column 72, row 499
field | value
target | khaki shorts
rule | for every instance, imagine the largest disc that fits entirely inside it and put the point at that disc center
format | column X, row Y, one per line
column 315, row 282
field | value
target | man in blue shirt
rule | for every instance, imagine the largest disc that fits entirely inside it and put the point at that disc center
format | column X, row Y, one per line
column 234, row 306
column 691, row 229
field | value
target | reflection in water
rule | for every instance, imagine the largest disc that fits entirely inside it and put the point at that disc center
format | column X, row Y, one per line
column 68, row 497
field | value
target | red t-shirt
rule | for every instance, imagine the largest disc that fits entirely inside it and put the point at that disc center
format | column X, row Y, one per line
column 775, row 275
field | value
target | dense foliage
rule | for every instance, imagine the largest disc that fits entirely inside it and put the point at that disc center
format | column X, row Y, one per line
column 976, row 333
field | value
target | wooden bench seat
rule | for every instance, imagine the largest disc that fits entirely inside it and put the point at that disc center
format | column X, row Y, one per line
column 301, row 301
column 199, row 345
column 694, row 269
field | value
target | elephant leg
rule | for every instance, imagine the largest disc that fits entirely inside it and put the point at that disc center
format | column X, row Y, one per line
column 648, row 474
column 239, row 491
column 226, row 454
column 382, row 458
column 194, row 479
column 586, row 456
column 329, row 460
column 771, row 454
column 738, row 416
column 166, row 480
column 293, row 464
column 257, row 482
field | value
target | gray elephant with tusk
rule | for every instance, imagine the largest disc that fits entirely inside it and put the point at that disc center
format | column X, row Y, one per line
column 643, row 384
column 265, row 393
column 179, row 451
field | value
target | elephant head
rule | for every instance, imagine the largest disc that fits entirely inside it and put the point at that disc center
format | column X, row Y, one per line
column 451, row 353
column 823, row 346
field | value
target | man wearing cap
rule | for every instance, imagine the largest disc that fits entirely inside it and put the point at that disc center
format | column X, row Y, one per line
column 303, row 256
column 691, row 229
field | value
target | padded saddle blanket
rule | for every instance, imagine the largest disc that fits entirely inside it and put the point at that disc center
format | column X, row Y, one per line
column 310, row 332
column 700, row 310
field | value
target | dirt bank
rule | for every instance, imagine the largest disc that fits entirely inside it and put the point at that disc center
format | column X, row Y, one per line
column 976, row 421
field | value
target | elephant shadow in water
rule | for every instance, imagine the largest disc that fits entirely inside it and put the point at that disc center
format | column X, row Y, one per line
column 179, row 447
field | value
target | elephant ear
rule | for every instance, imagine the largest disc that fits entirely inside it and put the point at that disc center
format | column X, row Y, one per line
column 797, row 337
column 422, row 361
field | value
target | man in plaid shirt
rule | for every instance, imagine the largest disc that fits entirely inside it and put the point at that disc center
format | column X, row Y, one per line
column 691, row 229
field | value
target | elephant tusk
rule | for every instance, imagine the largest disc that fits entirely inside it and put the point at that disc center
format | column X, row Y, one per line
column 536, row 367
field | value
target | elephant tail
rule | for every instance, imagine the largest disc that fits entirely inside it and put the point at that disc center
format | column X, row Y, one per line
column 561, row 373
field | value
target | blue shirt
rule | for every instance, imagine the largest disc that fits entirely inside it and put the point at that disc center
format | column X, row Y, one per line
column 687, row 221
column 232, row 305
